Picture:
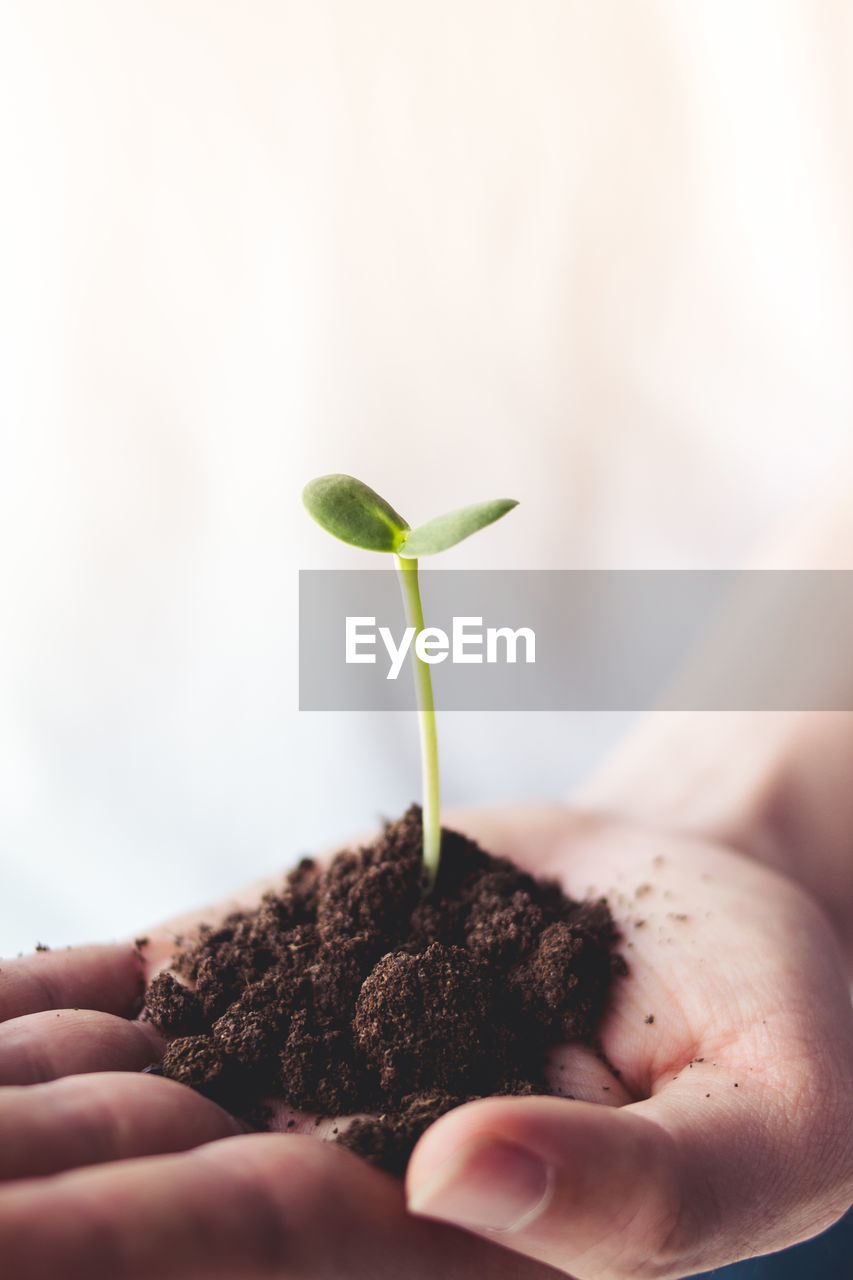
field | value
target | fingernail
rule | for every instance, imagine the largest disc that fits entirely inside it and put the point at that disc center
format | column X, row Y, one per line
column 490, row 1185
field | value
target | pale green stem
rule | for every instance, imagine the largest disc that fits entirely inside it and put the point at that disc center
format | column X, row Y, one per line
column 426, row 722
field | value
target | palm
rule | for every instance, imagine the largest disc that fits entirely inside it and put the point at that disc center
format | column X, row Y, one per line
column 732, row 1030
column 734, row 1021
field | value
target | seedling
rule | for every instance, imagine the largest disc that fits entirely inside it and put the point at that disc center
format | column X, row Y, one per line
column 356, row 514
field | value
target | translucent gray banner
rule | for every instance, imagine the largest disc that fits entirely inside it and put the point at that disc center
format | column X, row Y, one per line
column 582, row 641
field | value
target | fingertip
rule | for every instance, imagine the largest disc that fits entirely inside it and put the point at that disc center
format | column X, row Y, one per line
column 94, row 1119
column 107, row 977
column 487, row 1185
column 38, row 1047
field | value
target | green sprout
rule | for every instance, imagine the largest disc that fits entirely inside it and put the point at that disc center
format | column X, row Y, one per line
column 355, row 513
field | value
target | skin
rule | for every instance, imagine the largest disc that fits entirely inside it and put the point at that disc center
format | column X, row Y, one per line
column 729, row 1129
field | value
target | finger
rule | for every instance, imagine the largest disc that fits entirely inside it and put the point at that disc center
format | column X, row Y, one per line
column 86, row 1120
column 576, row 1071
column 561, row 1181
column 108, row 978
column 42, row 1046
column 262, row 1207
column 675, row 1184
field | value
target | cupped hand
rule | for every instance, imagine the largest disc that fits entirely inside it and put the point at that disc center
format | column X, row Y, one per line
column 716, row 1125
column 732, row 1037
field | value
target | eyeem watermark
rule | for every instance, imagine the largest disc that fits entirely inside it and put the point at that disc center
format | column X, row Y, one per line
column 468, row 641
column 764, row 640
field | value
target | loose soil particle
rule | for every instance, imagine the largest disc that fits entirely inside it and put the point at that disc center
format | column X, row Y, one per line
column 351, row 992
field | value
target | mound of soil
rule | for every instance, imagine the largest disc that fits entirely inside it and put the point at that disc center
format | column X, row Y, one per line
column 351, row 992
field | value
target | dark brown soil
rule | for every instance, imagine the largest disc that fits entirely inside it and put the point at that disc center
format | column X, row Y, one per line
column 350, row 992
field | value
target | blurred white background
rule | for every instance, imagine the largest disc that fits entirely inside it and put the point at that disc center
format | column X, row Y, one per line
column 595, row 257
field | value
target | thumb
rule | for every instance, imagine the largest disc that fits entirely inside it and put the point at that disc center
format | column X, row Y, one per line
column 646, row 1189
column 591, row 1189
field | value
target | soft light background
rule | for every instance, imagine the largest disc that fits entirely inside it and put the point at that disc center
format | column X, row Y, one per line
column 593, row 256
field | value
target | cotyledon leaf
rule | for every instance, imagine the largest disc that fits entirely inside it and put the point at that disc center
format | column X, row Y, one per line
column 353, row 512
column 445, row 531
